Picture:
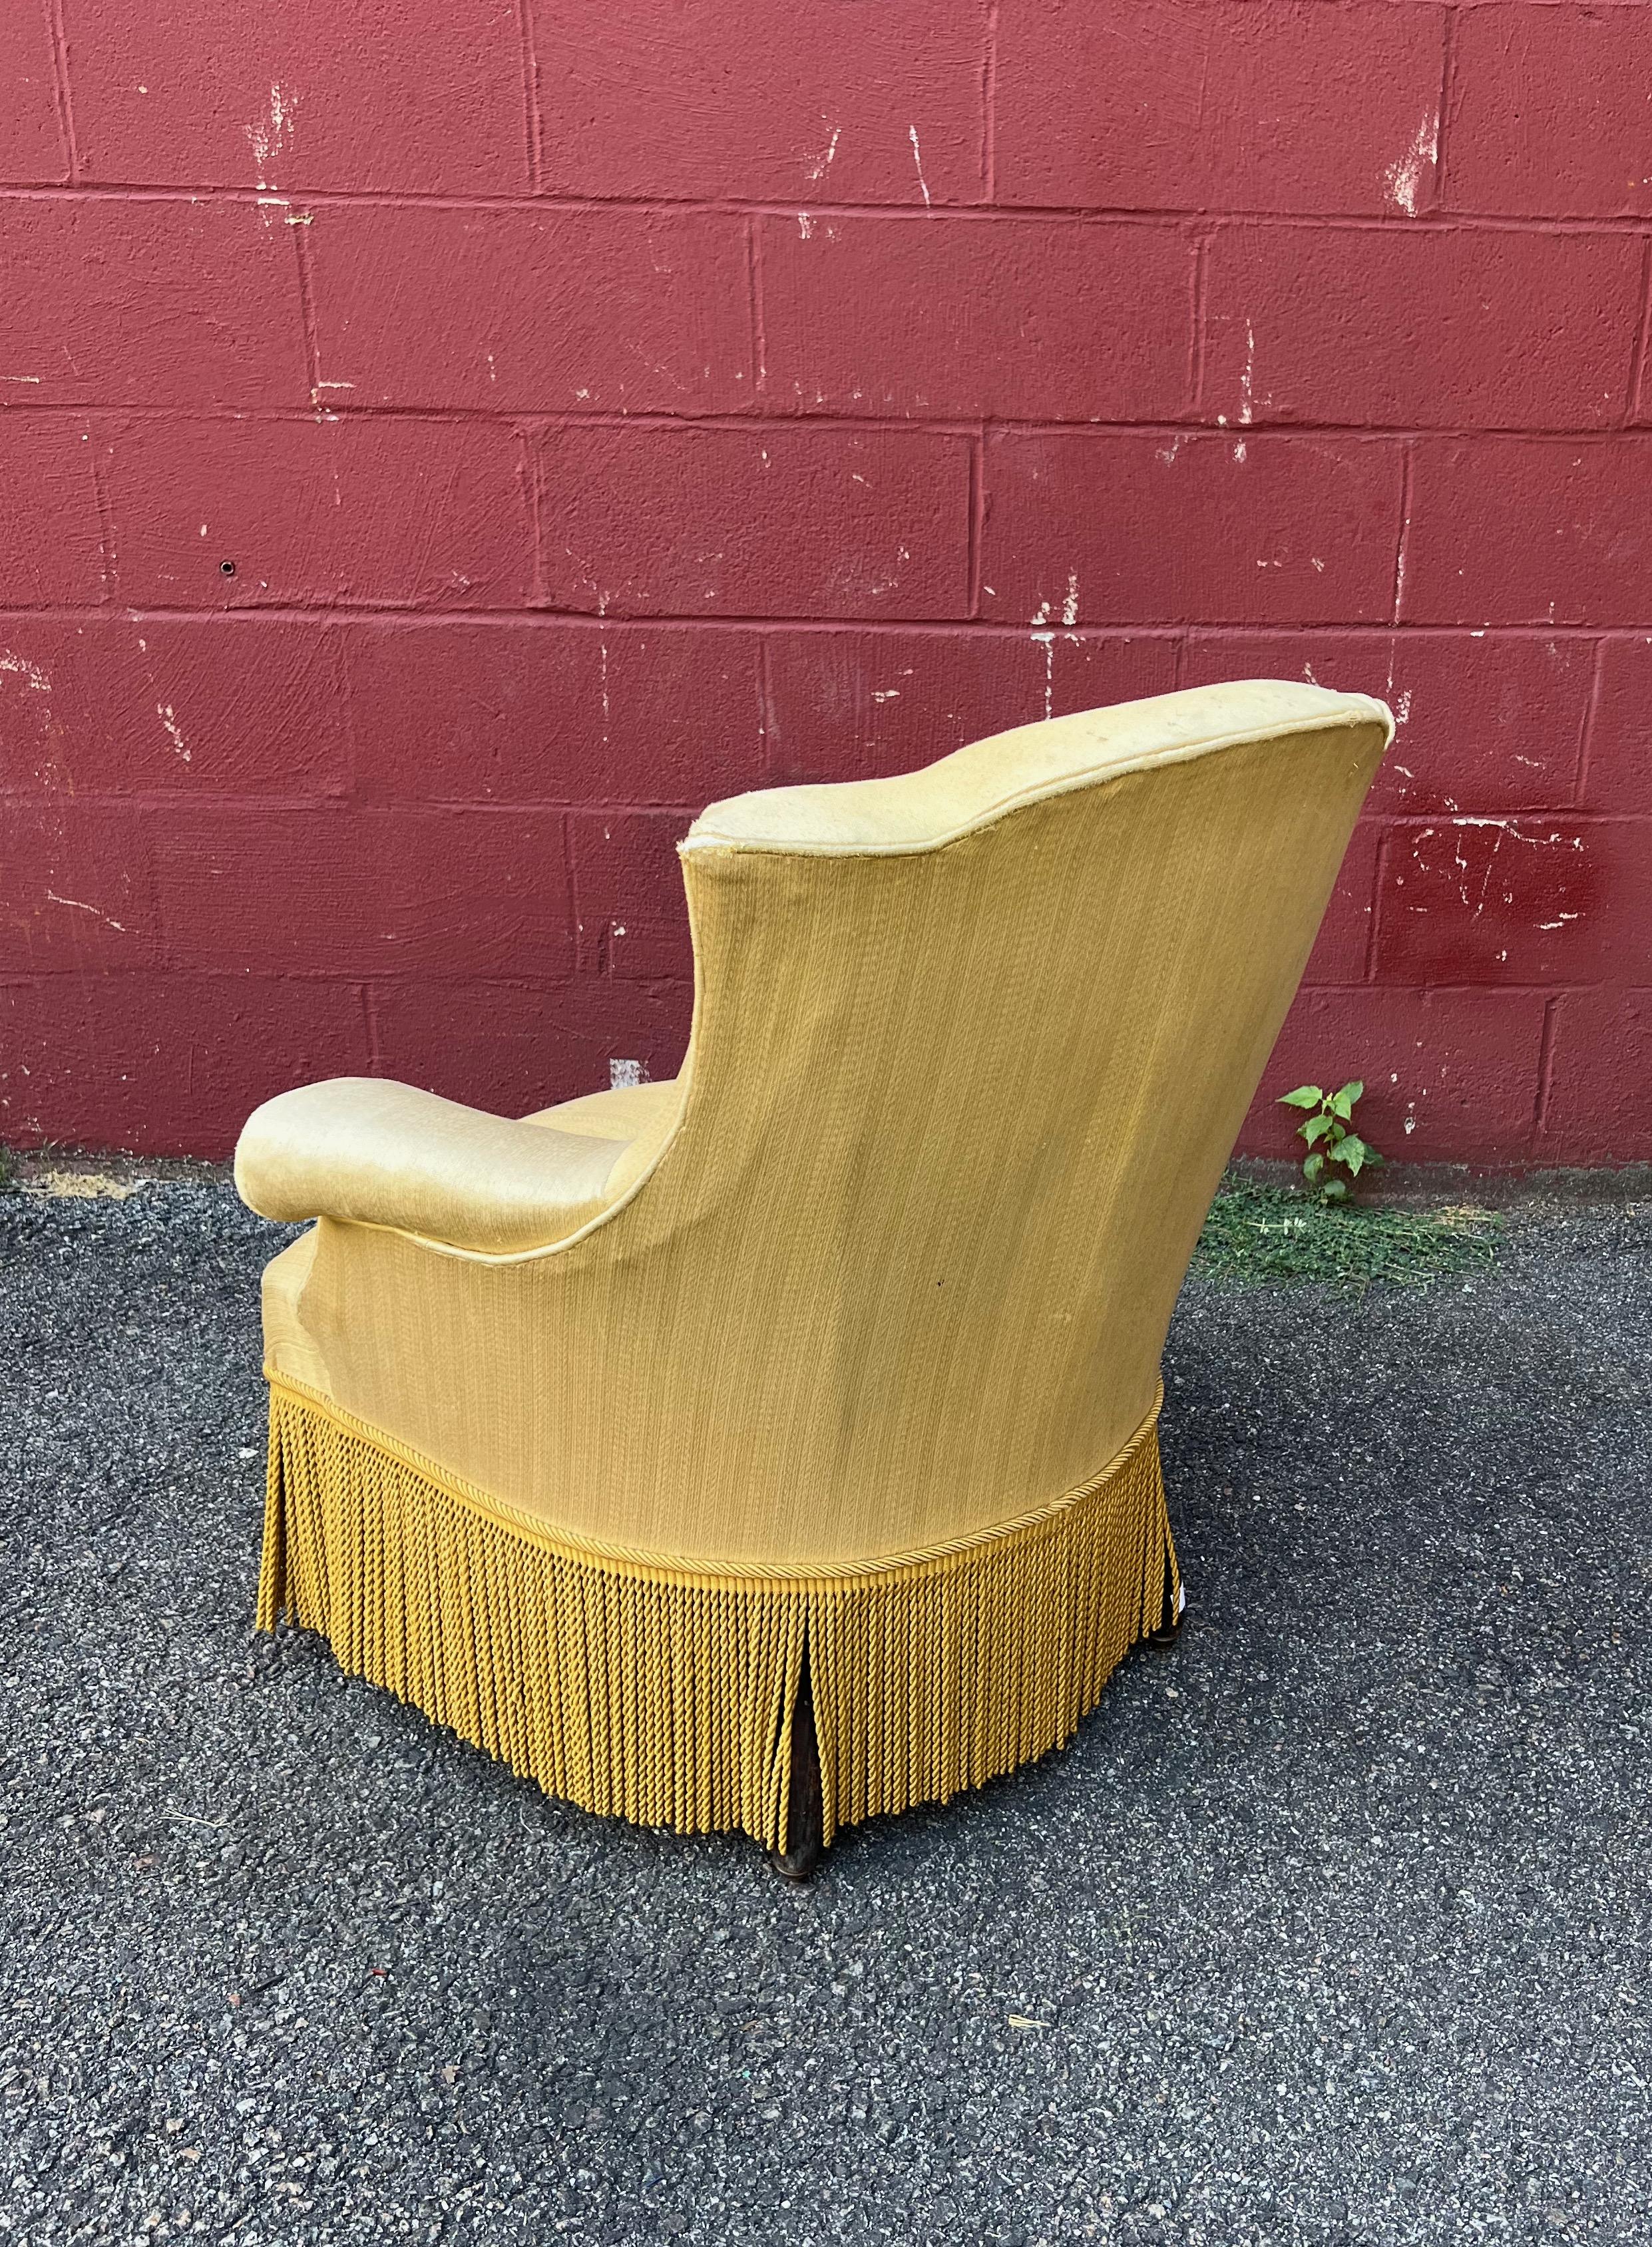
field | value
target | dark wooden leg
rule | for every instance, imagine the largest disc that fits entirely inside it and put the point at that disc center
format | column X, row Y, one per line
column 1171, row 1613
column 805, row 1820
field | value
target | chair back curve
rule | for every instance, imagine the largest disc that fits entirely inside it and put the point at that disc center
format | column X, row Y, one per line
column 971, row 1048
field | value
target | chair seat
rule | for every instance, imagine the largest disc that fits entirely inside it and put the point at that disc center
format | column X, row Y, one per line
column 624, row 1111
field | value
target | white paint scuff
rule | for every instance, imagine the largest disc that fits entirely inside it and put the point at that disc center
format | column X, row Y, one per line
column 168, row 717
column 269, row 138
column 822, row 164
column 20, row 668
column 1399, row 573
column 1046, row 641
column 1405, row 178
column 918, row 159
column 52, row 899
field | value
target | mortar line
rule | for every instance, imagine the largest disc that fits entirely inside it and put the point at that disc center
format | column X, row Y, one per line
column 101, row 458
column 531, row 441
column 575, row 929
column 1638, row 349
column 367, row 995
column 1447, row 86
column 1379, row 868
column 335, row 649
column 754, row 298
column 989, row 107
column 765, row 706
column 533, row 123
column 1586, row 739
column 1402, row 544
column 775, row 420
column 1201, row 286
column 61, row 94
column 1167, row 216
column 564, row 980
column 1544, row 1068
column 298, row 224
column 268, row 804
column 529, row 616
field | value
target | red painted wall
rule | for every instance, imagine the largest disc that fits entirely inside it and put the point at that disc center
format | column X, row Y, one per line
column 608, row 407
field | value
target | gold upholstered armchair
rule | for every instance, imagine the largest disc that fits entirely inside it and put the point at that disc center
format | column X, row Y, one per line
column 775, row 1447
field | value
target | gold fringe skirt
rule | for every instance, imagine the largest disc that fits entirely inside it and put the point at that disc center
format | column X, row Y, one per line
column 664, row 1693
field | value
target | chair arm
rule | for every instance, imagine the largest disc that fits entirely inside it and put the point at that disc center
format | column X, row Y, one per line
column 373, row 1152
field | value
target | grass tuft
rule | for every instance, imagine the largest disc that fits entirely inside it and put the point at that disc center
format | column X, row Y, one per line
column 1257, row 1234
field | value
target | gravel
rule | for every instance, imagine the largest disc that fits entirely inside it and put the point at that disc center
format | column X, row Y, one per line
column 1330, row 1927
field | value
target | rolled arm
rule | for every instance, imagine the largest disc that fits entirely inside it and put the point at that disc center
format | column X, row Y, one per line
column 374, row 1152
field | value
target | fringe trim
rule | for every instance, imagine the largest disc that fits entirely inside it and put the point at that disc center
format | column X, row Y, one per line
column 662, row 1693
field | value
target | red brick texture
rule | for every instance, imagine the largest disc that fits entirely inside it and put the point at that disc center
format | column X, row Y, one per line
column 442, row 448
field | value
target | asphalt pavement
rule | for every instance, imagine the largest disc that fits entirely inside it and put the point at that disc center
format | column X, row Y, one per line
column 1330, row 1927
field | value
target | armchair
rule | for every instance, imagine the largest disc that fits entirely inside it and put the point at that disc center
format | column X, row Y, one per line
column 775, row 1447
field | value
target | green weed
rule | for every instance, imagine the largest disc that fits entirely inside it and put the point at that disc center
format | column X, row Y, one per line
column 1259, row 1234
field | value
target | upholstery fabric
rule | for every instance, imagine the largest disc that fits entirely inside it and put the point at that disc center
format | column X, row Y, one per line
column 887, row 1269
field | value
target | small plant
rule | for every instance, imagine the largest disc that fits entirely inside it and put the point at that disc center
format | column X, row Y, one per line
column 1331, row 1139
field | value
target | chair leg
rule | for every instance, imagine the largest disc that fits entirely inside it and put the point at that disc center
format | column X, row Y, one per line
column 1171, row 1611
column 805, row 1817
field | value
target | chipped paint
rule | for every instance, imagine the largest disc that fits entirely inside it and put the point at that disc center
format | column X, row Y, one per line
column 174, row 733
column 79, row 905
column 822, row 164
column 1046, row 641
column 1405, row 177
column 918, row 159
column 20, row 668
column 269, row 138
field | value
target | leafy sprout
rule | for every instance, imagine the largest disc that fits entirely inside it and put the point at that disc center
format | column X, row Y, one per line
column 1331, row 1139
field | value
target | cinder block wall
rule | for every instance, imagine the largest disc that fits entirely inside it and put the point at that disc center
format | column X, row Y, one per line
column 603, row 408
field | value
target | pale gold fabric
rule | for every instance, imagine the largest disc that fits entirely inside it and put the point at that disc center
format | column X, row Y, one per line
column 892, row 1263
column 642, row 1117
column 381, row 1153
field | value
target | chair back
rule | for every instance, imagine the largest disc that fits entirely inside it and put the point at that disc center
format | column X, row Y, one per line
column 971, row 1049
